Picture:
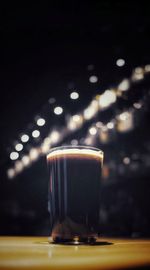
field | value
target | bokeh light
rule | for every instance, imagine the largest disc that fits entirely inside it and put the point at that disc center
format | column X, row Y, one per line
column 24, row 138
column 14, row 155
column 93, row 79
column 41, row 122
column 74, row 95
column 58, row 110
column 18, row 147
column 92, row 130
column 35, row 133
column 120, row 62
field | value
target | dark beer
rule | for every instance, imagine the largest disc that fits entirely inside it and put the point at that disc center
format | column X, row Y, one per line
column 74, row 187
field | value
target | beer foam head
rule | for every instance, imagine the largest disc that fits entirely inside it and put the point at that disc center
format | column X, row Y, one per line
column 85, row 152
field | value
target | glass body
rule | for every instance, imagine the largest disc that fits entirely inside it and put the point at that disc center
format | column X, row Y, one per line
column 73, row 193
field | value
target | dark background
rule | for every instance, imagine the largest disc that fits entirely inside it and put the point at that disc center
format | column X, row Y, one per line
column 44, row 52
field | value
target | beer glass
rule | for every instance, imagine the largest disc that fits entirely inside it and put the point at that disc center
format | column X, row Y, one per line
column 74, row 193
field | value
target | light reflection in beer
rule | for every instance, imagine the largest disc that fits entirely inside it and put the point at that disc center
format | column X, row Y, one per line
column 65, row 185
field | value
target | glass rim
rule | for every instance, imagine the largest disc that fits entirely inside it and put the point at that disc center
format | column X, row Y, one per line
column 79, row 147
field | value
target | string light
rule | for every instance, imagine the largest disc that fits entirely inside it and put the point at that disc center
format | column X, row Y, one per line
column 14, row 155
column 41, row 122
column 75, row 121
column 92, row 130
column 58, row 110
column 24, row 138
column 91, row 110
column 11, row 173
column 121, row 123
column 124, row 85
column 93, row 79
column 103, row 134
column 88, row 140
column 52, row 100
column 18, row 147
column 137, row 105
column 54, row 136
column 126, row 160
column 125, row 121
column 147, row 68
column 110, row 125
column 18, row 166
column 35, row 133
column 33, row 154
column 120, row 62
column 124, row 116
column 74, row 142
column 138, row 74
column 99, row 124
column 107, row 98
column 74, row 95
column 45, row 146
column 25, row 160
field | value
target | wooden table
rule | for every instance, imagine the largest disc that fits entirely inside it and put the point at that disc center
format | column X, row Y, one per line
column 37, row 253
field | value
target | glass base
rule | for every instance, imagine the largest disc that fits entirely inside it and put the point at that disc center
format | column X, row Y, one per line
column 77, row 240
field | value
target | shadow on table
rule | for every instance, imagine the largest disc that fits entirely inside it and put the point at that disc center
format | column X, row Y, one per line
column 102, row 243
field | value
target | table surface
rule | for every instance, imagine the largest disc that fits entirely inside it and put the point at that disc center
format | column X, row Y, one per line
column 38, row 253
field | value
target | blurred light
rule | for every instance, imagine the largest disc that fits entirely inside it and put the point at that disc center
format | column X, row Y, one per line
column 124, row 85
column 88, row 141
column 11, row 173
column 110, row 125
column 58, row 110
column 107, row 98
column 137, row 105
column 99, row 124
column 93, row 79
column 120, row 62
column 103, row 135
column 91, row 110
column 126, row 160
column 41, row 122
column 54, row 136
column 74, row 142
column 105, row 171
column 74, row 95
column 33, row 154
column 138, row 70
column 76, row 118
column 92, row 131
column 90, row 67
column 24, row 138
column 147, row 68
column 18, row 166
column 47, row 140
column 35, row 133
column 124, row 116
column 45, row 147
column 14, row 155
column 25, row 160
column 75, row 122
column 18, row 147
column 138, row 74
column 52, row 100
column 125, row 121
